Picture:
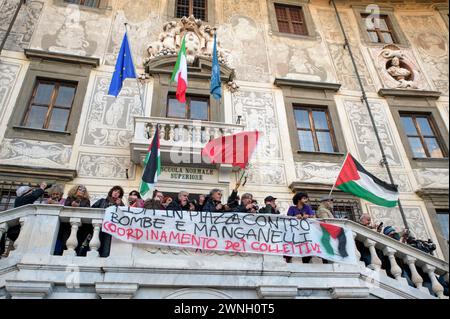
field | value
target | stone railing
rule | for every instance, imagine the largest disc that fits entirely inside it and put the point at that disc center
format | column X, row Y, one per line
column 35, row 246
column 398, row 253
column 178, row 133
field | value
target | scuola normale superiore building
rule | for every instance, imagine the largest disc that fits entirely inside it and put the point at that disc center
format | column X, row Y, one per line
column 285, row 72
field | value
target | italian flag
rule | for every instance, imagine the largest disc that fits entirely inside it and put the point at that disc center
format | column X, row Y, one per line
column 152, row 167
column 354, row 179
column 179, row 74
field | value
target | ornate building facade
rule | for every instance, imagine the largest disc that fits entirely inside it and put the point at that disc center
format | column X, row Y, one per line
column 285, row 72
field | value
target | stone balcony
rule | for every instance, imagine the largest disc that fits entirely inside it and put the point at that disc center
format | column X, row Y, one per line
column 181, row 140
column 32, row 270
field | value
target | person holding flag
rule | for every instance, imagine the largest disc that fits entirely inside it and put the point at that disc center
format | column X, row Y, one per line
column 180, row 72
column 152, row 167
column 124, row 68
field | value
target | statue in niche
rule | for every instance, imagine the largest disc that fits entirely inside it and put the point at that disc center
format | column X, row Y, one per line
column 400, row 74
column 397, row 67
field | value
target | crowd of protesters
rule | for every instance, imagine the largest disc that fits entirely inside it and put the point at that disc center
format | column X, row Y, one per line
column 78, row 197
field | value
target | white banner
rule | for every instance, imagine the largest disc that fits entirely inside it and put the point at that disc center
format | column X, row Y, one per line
column 231, row 232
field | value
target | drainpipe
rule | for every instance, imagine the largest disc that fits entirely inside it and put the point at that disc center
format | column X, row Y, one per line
column 366, row 102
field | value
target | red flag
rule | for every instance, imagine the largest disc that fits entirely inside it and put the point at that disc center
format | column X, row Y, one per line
column 234, row 149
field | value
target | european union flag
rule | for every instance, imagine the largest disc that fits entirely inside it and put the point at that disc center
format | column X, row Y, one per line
column 124, row 68
column 216, row 84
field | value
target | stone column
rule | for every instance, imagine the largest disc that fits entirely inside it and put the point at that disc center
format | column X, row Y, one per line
column 72, row 242
column 435, row 284
column 95, row 243
column 415, row 277
column 375, row 262
column 396, row 271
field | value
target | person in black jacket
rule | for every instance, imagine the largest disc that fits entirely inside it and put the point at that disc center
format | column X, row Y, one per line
column 114, row 198
column 26, row 195
column 247, row 205
column 181, row 203
column 271, row 206
column 214, row 203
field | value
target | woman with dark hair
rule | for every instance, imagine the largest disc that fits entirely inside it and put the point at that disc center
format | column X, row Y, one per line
column 114, row 198
column 135, row 200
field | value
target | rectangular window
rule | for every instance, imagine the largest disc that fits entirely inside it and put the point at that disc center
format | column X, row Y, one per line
column 342, row 209
column 290, row 19
column 422, row 136
column 443, row 221
column 87, row 3
column 379, row 29
column 196, row 108
column 315, row 132
column 50, row 105
column 186, row 8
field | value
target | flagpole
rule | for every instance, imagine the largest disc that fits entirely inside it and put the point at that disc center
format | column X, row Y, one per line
column 366, row 102
column 137, row 79
column 342, row 166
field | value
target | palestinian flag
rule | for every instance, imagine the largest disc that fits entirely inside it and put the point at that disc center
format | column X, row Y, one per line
column 354, row 179
column 152, row 167
column 337, row 234
column 179, row 74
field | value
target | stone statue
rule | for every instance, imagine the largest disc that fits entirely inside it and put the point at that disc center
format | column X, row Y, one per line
column 397, row 67
column 400, row 74
column 168, row 38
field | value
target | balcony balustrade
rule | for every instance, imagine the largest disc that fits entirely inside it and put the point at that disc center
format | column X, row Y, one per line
column 32, row 269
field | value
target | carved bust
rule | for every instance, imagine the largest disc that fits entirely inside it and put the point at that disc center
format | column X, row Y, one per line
column 397, row 68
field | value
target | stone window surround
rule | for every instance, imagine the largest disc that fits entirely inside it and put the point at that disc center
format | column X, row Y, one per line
column 50, row 66
column 396, row 29
column 296, row 92
column 104, row 5
column 442, row 8
column 211, row 11
column 199, row 84
column 309, row 22
column 424, row 102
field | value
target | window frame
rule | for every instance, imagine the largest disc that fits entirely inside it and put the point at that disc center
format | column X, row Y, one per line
column 189, row 97
column 380, row 32
column 312, row 94
column 313, row 130
column 289, row 20
column 171, row 9
column 82, row 3
column 191, row 9
column 56, row 86
column 102, row 7
column 421, row 136
column 57, row 67
column 399, row 36
column 415, row 103
column 308, row 22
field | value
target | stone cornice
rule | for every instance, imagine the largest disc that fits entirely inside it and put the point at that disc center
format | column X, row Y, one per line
column 409, row 93
column 61, row 57
column 307, row 84
column 13, row 171
column 201, row 68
